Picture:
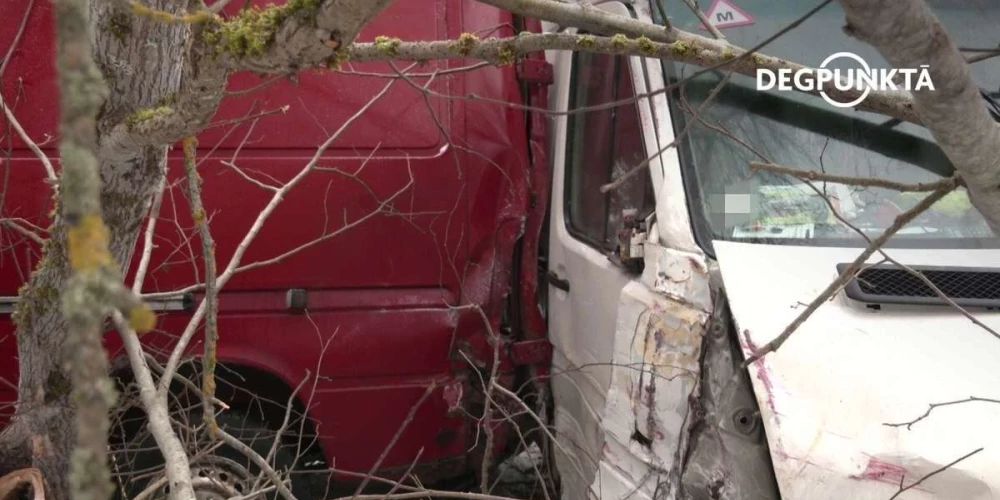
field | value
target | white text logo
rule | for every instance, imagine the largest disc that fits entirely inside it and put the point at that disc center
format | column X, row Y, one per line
column 863, row 80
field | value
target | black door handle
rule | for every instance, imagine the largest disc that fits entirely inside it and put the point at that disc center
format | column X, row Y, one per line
column 556, row 281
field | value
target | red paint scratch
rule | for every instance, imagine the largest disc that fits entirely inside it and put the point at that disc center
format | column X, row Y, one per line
column 697, row 266
column 763, row 374
column 883, row 472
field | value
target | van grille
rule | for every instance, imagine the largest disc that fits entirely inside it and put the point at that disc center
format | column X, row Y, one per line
column 889, row 284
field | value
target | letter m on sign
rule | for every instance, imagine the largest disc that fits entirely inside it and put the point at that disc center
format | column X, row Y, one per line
column 725, row 14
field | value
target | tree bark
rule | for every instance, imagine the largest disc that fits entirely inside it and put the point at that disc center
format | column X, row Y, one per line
column 909, row 35
column 141, row 74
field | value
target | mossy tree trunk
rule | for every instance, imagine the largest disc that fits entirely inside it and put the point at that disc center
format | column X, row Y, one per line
column 62, row 365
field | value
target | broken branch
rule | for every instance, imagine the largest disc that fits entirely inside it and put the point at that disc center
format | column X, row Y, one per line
column 850, row 272
column 813, row 175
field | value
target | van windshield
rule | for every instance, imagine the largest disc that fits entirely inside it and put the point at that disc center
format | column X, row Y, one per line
column 741, row 125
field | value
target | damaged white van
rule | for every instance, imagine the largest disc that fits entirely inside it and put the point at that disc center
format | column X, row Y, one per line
column 710, row 260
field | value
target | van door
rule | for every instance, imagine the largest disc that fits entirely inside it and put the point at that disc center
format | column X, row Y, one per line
column 589, row 150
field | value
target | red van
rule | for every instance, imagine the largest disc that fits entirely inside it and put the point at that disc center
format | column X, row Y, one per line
column 380, row 280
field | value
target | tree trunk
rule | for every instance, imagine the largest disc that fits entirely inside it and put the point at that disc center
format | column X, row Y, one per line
column 141, row 74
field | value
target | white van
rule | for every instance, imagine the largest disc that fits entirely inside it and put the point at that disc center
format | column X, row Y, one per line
column 651, row 400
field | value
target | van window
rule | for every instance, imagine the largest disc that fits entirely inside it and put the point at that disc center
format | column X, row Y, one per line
column 602, row 145
column 742, row 124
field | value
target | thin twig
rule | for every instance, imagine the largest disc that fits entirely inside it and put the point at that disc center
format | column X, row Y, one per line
column 251, row 235
column 147, row 242
column 289, row 406
column 932, row 474
column 236, row 121
column 258, row 461
column 15, row 225
column 932, row 406
column 17, row 37
column 209, row 358
column 917, row 274
column 392, row 442
column 813, row 175
column 704, row 19
column 50, row 171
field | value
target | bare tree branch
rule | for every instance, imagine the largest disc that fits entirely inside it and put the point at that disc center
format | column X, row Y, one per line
column 259, row 462
column 704, row 19
column 813, row 175
column 932, row 474
column 909, row 35
column 198, row 214
column 693, row 49
column 178, row 467
column 241, row 249
column 932, row 406
column 850, row 272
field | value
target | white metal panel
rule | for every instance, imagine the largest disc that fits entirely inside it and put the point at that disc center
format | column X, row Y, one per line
column 827, row 393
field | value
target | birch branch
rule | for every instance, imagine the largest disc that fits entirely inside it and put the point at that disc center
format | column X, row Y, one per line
column 909, row 35
column 850, row 272
column 687, row 48
column 177, row 467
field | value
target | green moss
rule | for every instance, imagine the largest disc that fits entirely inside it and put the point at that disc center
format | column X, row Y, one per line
column 680, row 48
column 147, row 114
column 619, row 41
column 506, row 54
column 38, row 295
column 586, row 42
column 464, row 45
column 198, row 216
column 168, row 100
column 298, row 5
column 646, row 46
column 758, row 59
column 339, row 57
column 387, row 45
column 727, row 54
column 119, row 25
column 251, row 31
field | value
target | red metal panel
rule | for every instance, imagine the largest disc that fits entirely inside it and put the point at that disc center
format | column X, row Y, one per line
column 319, row 100
column 399, row 291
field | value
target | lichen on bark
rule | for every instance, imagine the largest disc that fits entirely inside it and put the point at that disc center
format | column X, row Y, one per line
column 94, row 286
column 209, row 358
column 251, row 31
